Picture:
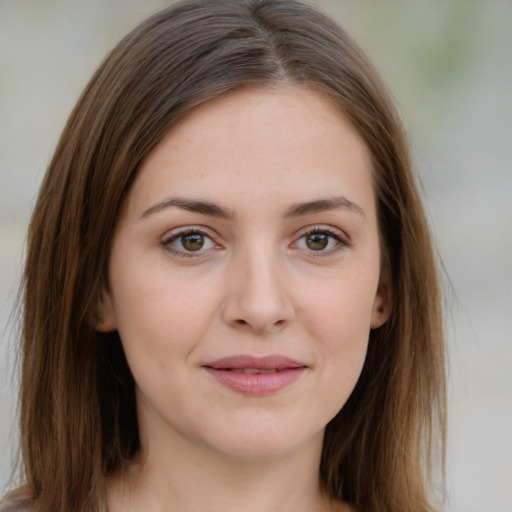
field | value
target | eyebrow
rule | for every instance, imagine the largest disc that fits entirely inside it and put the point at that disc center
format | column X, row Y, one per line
column 191, row 205
column 214, row 210
column 321, row 205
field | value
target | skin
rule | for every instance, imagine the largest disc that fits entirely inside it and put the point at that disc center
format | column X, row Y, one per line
column 267, row 278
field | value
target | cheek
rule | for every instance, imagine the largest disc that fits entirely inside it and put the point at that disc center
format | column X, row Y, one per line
column 341, row 309
column 338, row 320
column 159, row 315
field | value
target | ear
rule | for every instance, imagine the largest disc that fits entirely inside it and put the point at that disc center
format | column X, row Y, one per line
column 382, row 305
column 105, row 318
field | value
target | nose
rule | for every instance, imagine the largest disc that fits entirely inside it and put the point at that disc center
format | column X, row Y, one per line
column 257, row 294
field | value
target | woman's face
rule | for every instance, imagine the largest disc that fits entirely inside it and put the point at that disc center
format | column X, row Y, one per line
column 244, row 275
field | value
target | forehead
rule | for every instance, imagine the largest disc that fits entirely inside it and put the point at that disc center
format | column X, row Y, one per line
column 301, row 115
column 257, row 142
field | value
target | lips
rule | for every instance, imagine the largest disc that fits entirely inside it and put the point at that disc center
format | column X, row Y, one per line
column 256, row 375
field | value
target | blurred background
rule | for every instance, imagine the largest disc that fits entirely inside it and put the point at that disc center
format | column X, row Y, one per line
column 448, row 64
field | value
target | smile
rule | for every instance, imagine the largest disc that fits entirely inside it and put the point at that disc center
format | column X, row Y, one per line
column 256, row 376
column 252, row 370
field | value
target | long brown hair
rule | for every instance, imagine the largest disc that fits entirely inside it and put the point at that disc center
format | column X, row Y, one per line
column 78, row 418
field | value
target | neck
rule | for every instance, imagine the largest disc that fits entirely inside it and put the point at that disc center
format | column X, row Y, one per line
column 191, row 478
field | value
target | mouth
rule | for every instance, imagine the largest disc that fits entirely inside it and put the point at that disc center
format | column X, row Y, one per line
column 249, row 371
column 256, row 375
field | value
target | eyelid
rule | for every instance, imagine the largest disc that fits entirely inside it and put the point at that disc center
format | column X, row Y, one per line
column 173, row 234
column 341, row 238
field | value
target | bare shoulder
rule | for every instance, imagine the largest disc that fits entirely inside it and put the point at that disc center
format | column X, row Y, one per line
column 345, row 507
column 15, row 503
column 340, row 506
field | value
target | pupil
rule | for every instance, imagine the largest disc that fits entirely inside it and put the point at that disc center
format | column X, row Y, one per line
column 317, row 241
column 193, row 242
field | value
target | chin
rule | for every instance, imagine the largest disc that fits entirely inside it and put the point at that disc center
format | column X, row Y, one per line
column 265, row 444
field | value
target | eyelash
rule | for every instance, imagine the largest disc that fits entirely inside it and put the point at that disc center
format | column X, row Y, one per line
column 314, row 230
column 341, row 242
column 167, row 241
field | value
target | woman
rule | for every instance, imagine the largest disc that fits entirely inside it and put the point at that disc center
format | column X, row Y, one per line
column 230, row 296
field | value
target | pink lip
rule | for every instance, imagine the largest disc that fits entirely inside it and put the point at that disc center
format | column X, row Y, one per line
column 229, row 372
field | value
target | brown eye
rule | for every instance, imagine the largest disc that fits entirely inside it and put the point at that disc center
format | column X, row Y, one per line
column 321, row 240
column 317, row 241
column 188, row 243
column 192, row 242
